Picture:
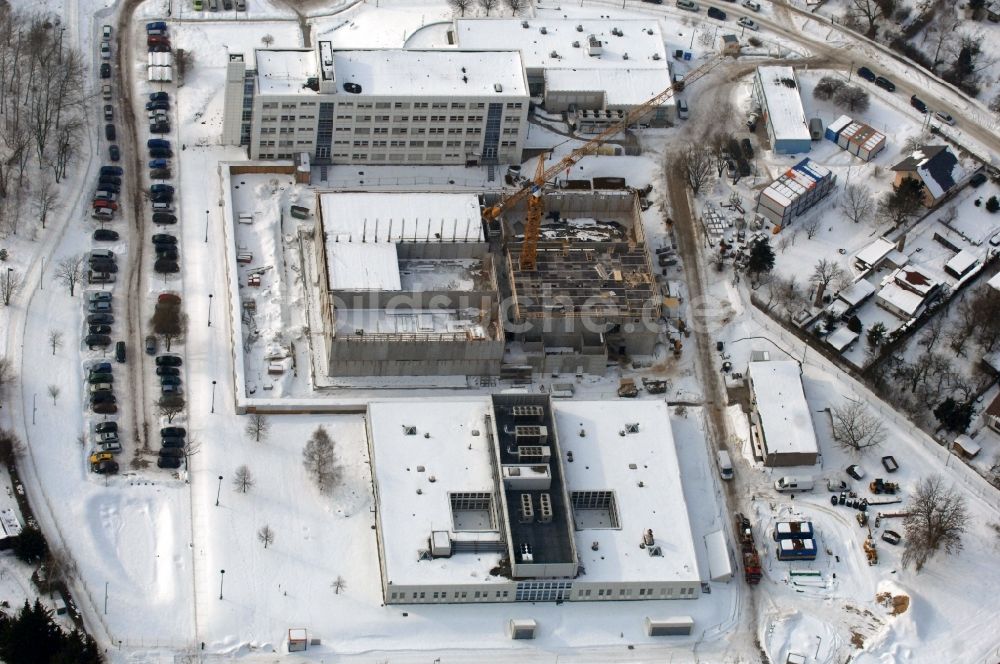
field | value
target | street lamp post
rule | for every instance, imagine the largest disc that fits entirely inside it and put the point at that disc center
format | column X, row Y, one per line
column 218, row 493
column 222, row 577
column 206, row 226
column 210, row 310
column 213, row 396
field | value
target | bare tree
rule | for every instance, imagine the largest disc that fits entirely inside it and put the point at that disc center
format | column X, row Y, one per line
column 170, row 409
column 7, row 375
column 54, row 393
column 933, row 332
column 70, row 271
column 460, row 5
column 338, row 585
column 169, row 321
column 695, row 165
column 855, row 428
column 488, row 5
column 55, row 340
column 942, row 35
column 811, row 226
column 827, row 87
column 11, row 447
column 852, row 97
column 320, row 460
column 257, row 426
column 267, row 40
column 866, row 12
column 515, row 6
column 10, row 284
column 45, row 199
column 936, row 519
column 183, row 59
column 824, row 273
column 857, row 202
column 243, row 480
column 265, row 535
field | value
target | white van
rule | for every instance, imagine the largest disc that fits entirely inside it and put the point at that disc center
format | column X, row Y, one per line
column 793, row 484
column 682, row 109
column 725, row 465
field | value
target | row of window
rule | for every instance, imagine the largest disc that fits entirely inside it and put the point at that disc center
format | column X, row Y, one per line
column 542, row 592
column 463, row 594
column 402, row 105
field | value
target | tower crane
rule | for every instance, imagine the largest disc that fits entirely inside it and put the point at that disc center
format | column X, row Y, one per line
column 534, row 189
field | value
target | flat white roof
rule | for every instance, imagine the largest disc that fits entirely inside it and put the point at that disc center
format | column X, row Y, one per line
column 857, row 292
column 284, row 71
column 900, row 298
column 784, row 106
column 641, row 40
column 995, row 281
column 457, row 460
column 601, row 462
column 401, row 73
column 781, row 405
column 875, row 251
column 363, row 266
column 622, row 87
column 400, row 217
column 841, row 338
column 962, row 261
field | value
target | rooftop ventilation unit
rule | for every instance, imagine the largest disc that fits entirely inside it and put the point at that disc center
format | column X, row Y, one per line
column 497, row 87
column 534, row 454
column 526, row 555
column 656, row 56
column 624, row 56
column 579, row 28
column 554, row 54
column 617, row 32
column 594, row 46
column 543, row 30
column 531, row 432
column 527, row 412
column 632, row 428
column 545, row 505
column 576, row 44
column 409, row 430
column 526, row 513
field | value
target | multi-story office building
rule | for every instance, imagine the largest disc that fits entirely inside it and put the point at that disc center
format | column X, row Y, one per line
column 378, row 106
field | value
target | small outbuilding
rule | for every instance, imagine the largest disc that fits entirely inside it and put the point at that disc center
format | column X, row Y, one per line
column 730, row 45
column 677, row 626
column 522, row 628
column 298, row 640
column 961, row 264
column 965, row 447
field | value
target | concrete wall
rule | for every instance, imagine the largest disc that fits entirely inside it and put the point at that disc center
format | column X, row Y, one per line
column 579, row 591
column 364, row 356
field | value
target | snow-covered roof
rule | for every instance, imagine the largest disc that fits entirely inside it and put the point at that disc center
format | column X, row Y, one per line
column 413, row 503
column 841, row 338
column 936, row 166
column 362, row 266
column 442, row 73
column 995, row 281
column 602, row 461
column 625, row 87
column 839, row 124
column 640, row 41
column 961, row 262
column 781, row 405
column 400, row 217
column 285, row 71
column 968, row 445
column 911, row 277
column 875, row 252
column 857, row 292
column 464, row 323
column 900, row 298
column 784, row 106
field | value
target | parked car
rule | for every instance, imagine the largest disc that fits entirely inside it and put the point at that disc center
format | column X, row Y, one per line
column 689, row 5
column 891, row 537
column 114, row 447
column 99, row 307
column 164, row 238
column 99, row 296
column 159, row 96
column 173, row 432
column 227, row 5
column 162, row 197
column 105, row 235
column 112, row 170
column 158, row 105
column 106, row 437
column 104, row 266
column 105, row 50
column 99, row 329
column 103, row 214
column 120, row 351
column 748, row 23
column 106, row 91
column 168, row 297
column 104, row 194
column 106, row 427
column 106, row 32
column 98, row 378
column 978, row 180
column 168, row 371
column 168, row 462
column 166, row 252
column 105, row 467
column 241, row 5
column 170, row 380
column 159, row 163
column 97, row 457
column 100, row 367
column 100, row 319
column 109, row 179
column 109, row 113
column 102, row 397
column 156, row 188
column 752, row 5
column 172, row 441
column 836, row 485
column 104, row 408
column 159, row 128
column 885, row 83
column 716, row 14
column 93, row 340
column 164, row 218
column 151, row 344
column 99, row 277
column 918, row 103
column 160, row 153
column 156, row 25
column 171, row 390
column 158, row 143
column 166, row 266
column 105, row 70
column 169, row 361
column 160, row 174
column 172, row 452
column 114, row 153
column 105, row 204
column 945, row 118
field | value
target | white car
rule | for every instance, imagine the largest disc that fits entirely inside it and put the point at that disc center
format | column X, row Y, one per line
column 748, row 23
column 944, row 117
column 750, row 4
column 106, row 50
column 106, row 33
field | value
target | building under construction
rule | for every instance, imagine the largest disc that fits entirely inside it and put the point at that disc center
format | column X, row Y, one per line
column 591, row 294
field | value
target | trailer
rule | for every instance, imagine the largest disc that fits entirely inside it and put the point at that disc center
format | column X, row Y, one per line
column 889, row 463
column 752, row 572
column 677, row 626
column 796, row 549
column 784, row 530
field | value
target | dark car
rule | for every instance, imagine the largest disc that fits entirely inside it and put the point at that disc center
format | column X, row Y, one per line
column 104, row 266
column 106, row 427
column 99, row 329
column 164, row 218
column 100, row 319
column 160, row 153
column 172, row 441
column 170, row 380
column 166, row 252
column 168, row 298
column 168, row 371
column 109, row 132
column 159, row 96
column 158, row 105
column 112, row 170
column 109, row 179
column 159, row 163
column 160, row 174
column 120, row 351
column 978, row 179
column 150, row 344
column 172, row 452
column 105, row 70
column 918, row 103
column 161, row 197
column 885, row 83
column 166, row 266
column 168, row 462
column 164, row 238
column 158, row 143
column 104, row 396
column 107, row 186
column 97, row 378
column 867, row 74
column 100, row 367
column 104, row 408
column 169, row 361
column 106, row 467
column 154, row 188
column 173, row 432
column 227, row 4
column 156, row 25
column 114, row 153
column 97, row 340
column 716, row 13
column 105, row 235
column 159, row 128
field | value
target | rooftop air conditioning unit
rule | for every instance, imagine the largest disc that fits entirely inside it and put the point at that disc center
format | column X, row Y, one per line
column 497, row 87
column 579, row 28
column 532, row 433
column 576, row 44
column 554, row 54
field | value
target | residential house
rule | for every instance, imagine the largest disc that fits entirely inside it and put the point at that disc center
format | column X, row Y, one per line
column 936, row 168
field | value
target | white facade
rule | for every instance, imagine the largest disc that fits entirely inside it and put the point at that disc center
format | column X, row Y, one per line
column 378, row 106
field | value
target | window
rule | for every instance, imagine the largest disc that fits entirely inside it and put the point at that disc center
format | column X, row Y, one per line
column 361, row 130
column 422, row 104
column 457, row 104
column 454, row 144
column 362, row 118
column 380, row 130
column 456, row 118
column 379, row 144
column 381, row 118
column 437, row 118
column 437, row 130
column 268, row 104
column 452, row 131
column 397, row 131
column 383, row 104
column 401, row 104
column 435, row 596
column 307, row 103
column 420, row 118
column 463, row 594
column 475, row 118
column 416, row 144
column 422, row 595
column 515, row 104
column 439, row 105
column 283, row 105
column 434, row 144
column 642, row 592
column 600, row 592
column 359, row 157
column 401, row 118
column 360, row 144
column 288, row 118
column 420, row 131
column 594, row 510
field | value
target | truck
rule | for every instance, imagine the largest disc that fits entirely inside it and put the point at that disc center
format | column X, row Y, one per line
column 627, row 388
column 784, row 530
column 880, row 486
column 748, row 550
column 796, row 549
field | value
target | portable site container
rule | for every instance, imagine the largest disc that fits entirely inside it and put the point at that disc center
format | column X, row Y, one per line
column 833, row 129
column 677, row 626
column 793, row 530
column 797, row 549
column 522, row 628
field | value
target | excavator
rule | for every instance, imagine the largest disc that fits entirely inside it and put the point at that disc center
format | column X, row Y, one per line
column 533, row 190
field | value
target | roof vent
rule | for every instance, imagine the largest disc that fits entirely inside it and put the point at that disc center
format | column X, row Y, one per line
column 631, row 466
column 649, row 31
column 465, row 79
column 420, row 469
column 595, row 545
column 463, row 70
column 432, row 479
column 554, row 54
column 655, row 551
column 475, row 432
column 524, row 24
column 543, row 30
column 617, row 32
column 497, row 87
column 579, row 28
column 632, row 428
column 656, row 56
column 409, row 431
column 576, row 44
column 427, row 434
column 624, row 56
